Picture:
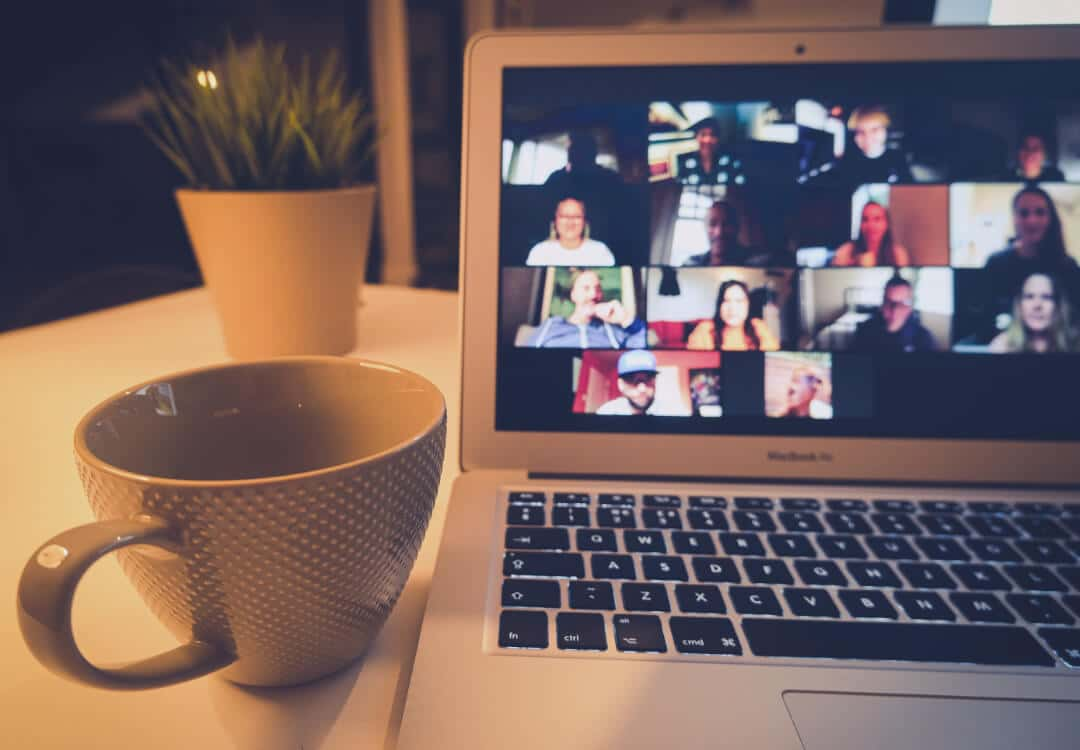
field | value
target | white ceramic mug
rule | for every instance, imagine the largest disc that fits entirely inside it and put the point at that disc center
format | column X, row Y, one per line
column 269, row 514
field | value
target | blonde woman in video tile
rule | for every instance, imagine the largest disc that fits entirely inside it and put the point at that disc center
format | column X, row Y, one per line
column 1040, row 320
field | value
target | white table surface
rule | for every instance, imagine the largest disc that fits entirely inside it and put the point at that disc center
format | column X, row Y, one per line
column 49, row 377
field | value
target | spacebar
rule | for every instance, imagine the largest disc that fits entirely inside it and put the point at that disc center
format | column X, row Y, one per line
column 888, row 641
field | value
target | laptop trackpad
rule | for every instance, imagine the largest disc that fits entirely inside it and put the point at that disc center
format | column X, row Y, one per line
column 831, row 721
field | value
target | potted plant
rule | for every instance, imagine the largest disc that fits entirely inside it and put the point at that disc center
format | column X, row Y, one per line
column 279, row 224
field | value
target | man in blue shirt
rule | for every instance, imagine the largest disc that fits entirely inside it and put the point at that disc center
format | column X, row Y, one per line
column 594, row 324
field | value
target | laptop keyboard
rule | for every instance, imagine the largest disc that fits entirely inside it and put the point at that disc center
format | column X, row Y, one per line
column 936, row 581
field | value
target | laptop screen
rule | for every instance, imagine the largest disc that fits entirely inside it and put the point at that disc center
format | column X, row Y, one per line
column 880, row 250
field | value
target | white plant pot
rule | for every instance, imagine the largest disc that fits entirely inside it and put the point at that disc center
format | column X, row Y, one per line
column 284, row 268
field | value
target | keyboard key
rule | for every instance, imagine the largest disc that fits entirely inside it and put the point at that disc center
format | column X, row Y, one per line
column 699, row 599
column 820, row 573
column 529, row 593
column 639, row 634
column 841, row 547
column 926, row 576
column 894, row 641
column 894, row 506
column 663, row 568
column 941, row 506
column 1072, row 602
column 645, row 597
column 752, row 520
column 981, row 577
column 1043, row 509
column 891, row 548
column 527, row 498
column 800, row 521
column 692, row 543
column 810, row 603
column 791, row 545
column 1039, row 527
column 612, row 567
column 524, row 515
column 661, row 518
column 981, row 607
column 1040, row 551
column 707, row 520
column 579, row 631
column 992, row 526
column 616, row 518
column 1072, row 524
column 570, row 515
column 865, row 605
column 530, row 538
column 753, row 503
column 591, row 595
column 704, row 635
column 876, row 574
column 924, row 605
column 1071, row 573
column 707, row 502
column 1034, row 578
column 1065, row 642
column 596, row 540
column 799, row 503
column 616, row 500
column 767, row 571
column 523, row 629
column 644, row 541
column 943, row 525
column 715, row 570
column 543, row 565
column 572, row 498
column 895, row 523
column 848, row 523
column 753, row 600
column 662, row 501
column 847, row 506
column 742, row 544
column 1039, row 609
column 993, row 550
column 995, row 507
column 942, row 549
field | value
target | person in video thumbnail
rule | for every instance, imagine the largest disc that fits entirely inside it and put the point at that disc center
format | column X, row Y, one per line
column 569, row 243
column 1032, row 161
column 732, row 328
column 1038, row 246
column 1040, row 321
column 895, row 326
column 703, row 167
column 594, row 324
column 875, row 245
column 637, row 384
column 582, row 176
column 871, row 160
column 722, row 228
column 802, row 396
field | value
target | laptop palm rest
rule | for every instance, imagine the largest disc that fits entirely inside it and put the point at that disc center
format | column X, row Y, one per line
column 831, row 721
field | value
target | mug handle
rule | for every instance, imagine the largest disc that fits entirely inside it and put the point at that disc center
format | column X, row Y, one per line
column 47, row 588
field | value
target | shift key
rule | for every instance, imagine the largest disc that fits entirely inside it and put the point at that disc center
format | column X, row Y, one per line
column 544, row 564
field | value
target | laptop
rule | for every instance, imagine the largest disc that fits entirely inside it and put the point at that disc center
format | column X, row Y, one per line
column 769, row 423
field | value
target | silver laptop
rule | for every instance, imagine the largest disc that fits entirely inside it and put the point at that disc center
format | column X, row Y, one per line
column 769, row 428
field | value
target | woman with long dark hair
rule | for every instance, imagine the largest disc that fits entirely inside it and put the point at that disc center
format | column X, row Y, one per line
column 875, row 245
column 731, row 327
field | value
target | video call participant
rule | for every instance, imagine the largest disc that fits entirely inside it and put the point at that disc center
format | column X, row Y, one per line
column 1032, row 161
column 637, row 384
column 1040, row 321
column 732, row 328
column 594, row 324
column 871, row 160
column 1038, row 246
column 703, row 167
column 875, row 245
column 895, row 326
column 569, row 243
column 722, row 228
column 802, row 396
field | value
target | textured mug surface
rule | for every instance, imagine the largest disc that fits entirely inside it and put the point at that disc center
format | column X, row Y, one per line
column 292, row 573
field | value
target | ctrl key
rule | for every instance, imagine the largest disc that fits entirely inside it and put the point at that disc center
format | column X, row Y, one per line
column 522, row 629
column 705, row 635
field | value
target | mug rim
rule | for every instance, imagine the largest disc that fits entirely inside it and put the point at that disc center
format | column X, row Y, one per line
column 86, row 455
